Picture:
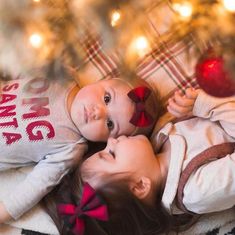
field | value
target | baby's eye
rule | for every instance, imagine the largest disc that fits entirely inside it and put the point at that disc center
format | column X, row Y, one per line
column 110, row 124
column 107, row 98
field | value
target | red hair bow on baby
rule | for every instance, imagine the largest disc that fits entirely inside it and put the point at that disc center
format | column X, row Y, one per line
column 140, row 117
column 90, row 205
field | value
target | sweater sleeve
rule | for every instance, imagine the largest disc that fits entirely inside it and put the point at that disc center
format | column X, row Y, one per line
column 211, row 188
column 216, row 109
column 44, row 176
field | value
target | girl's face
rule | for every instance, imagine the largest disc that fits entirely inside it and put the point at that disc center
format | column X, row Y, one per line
column 103, row 110
column 122, row 156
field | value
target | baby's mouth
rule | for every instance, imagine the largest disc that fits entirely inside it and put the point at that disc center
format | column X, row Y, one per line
column 85, row 115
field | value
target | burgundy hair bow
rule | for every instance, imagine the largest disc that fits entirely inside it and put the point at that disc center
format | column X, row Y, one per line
column 140, row 118
column 90, row 205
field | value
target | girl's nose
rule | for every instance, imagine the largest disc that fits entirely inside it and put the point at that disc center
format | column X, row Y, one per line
column 122, row 137
column 111, row 143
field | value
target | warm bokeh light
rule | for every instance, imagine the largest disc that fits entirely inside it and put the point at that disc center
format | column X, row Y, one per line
column 229, row 5
column 78, row 5
column 184, row 9
column 36, row 40
column 141, row 45
column 36, row 0
column 115, row 17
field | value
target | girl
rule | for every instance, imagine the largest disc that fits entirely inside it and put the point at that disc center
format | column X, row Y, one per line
column 142, row 191
column 45, row 122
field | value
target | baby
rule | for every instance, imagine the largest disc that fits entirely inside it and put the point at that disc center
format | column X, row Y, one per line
column 139, row 187
column 47, row 122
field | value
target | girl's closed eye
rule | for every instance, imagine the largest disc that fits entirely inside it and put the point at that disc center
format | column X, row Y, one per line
column 112, row 153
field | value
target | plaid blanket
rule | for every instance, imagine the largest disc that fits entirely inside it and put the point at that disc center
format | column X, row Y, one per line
column 166, row 67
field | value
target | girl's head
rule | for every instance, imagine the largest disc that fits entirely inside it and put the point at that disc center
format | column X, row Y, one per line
column 130, row 158
column 128, row 212
column 122, row 177
column 104, row 109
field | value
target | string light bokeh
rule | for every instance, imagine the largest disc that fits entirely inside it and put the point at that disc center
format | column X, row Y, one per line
column 54, row 28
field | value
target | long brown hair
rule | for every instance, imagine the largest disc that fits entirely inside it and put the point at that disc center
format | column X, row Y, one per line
column 127, row 214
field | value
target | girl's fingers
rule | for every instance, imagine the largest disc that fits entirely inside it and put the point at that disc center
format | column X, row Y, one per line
column 174, row 106
column 183, row 100
column 182, row 104
column 191, row 93
column 173, row 112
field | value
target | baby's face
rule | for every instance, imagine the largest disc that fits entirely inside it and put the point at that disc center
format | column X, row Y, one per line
column 103, row 109
column 123, row 156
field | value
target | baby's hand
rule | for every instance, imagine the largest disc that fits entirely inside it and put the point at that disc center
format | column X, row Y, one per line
column 4, row 215
column 181, row 105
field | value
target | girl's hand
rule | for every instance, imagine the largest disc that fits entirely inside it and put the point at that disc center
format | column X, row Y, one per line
column 4, row 215
column 181, row 105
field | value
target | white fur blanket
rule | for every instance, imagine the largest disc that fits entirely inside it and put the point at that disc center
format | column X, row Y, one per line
column 221, row 223
column 37, row 220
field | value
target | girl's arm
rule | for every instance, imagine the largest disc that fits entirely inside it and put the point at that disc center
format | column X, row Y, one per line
column 211, row 188
column 220, row 110
column 181, row 105
column 4, row 215
column 200, row 104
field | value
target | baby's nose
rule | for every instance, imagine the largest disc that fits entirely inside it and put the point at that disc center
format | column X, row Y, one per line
column 99, row 112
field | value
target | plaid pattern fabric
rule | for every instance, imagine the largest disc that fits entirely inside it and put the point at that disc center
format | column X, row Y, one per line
column 167, row 67
column 166, row 70
column 98, row 64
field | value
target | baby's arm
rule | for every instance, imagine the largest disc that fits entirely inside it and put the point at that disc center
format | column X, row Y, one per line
column 41, row 180
column 181, row 105
column 4, row 215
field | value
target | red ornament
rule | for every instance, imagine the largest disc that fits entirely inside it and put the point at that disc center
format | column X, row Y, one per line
column 213, row 78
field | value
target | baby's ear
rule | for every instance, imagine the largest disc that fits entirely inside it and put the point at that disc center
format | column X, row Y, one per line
column 141, row 188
